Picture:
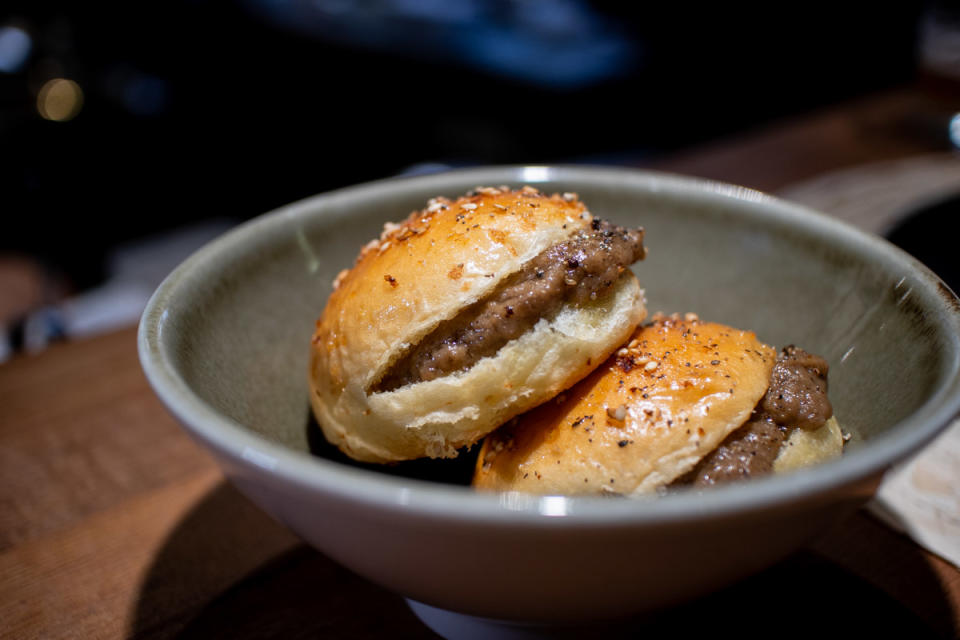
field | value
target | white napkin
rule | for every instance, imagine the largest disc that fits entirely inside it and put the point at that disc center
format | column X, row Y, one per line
column 921, row 497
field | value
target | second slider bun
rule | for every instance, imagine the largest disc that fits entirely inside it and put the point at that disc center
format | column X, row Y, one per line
column 660, row 408
column 399, row 365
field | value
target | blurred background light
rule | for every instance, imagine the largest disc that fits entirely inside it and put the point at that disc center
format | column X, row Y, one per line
column 954, row 130
column 548, row 43
column 60, row 100
column 15, row 46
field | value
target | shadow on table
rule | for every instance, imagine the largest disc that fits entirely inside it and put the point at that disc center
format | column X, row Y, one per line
column 229, row 571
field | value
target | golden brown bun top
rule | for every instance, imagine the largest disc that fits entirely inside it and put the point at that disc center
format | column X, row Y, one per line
column 643, row 418
column 429, row 267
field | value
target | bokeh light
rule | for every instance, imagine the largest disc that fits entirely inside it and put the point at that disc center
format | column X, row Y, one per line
column 60, row 99
column 954, row 130
column 15, row 46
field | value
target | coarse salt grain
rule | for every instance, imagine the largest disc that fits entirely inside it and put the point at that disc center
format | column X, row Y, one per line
column 617, row 413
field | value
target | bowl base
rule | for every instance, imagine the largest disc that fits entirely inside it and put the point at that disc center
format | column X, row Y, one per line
column 460, row 626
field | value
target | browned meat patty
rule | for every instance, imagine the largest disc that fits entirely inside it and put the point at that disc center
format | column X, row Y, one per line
column 574, row 271
column 796, row 399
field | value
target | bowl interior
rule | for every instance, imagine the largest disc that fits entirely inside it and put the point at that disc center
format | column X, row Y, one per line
column 234, row 322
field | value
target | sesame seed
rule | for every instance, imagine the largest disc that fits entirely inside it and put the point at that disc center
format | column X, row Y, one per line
column 469, row 206
column 339, row 279
column 434, row 205
column 388, row 228
column 650, row 366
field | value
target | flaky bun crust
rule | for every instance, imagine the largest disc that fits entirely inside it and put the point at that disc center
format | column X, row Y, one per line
column 426, row 270
column 644, row 418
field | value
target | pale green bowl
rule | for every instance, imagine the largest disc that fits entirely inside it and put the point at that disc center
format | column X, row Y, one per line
column 224, row 342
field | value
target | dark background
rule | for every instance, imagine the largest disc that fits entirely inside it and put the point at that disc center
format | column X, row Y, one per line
column 210, row 108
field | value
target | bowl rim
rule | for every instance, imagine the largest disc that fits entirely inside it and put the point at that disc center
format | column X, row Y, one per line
column 274, row 463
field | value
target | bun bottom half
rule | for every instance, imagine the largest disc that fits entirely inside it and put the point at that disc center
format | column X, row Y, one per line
column 806, row 448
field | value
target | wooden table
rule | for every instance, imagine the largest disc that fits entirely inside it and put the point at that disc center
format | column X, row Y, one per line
column 114, row 524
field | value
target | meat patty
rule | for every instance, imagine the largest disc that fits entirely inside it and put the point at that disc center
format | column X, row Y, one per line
column 796, row 399
column 572, row 272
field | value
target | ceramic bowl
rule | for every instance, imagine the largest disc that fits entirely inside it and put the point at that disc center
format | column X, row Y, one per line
column 224, row 342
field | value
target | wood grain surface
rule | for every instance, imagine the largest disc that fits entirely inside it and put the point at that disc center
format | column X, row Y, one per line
column 115, row 524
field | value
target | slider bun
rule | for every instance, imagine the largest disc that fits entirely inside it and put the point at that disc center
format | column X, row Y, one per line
column 426, row 270
column 807, row 447
column 644, row 418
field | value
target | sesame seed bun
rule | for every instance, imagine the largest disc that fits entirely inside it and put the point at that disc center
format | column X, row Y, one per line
column 645, row 417
column 428, row 270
